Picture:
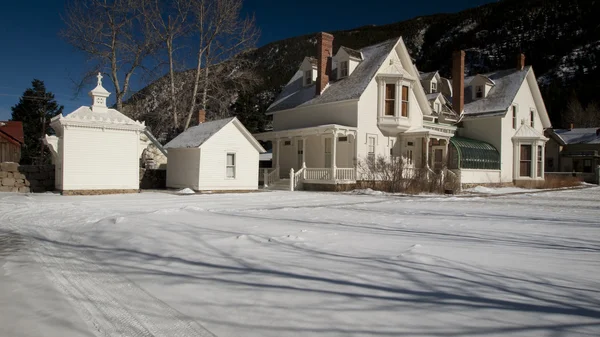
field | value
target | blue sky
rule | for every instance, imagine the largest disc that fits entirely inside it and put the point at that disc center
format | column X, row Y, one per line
column 31, row 47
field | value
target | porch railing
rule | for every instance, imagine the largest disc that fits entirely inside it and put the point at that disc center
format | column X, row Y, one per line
column 318, row 174
column 296, row 178
column 345, row 174
column 270, row 177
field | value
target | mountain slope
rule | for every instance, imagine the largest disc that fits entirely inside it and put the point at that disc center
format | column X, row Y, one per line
column 560, row 38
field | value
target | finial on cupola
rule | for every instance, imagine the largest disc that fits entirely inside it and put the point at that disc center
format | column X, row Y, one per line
column 99, row 96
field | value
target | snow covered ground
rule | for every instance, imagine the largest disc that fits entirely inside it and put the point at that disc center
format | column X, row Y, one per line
column 300, row 264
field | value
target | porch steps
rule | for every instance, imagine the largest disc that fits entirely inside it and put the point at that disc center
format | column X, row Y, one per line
column 280, row 185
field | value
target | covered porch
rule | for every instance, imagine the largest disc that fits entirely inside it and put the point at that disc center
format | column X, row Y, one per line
column 324, row 154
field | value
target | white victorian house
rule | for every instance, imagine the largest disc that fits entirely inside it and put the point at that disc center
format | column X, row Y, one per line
column 340, row 109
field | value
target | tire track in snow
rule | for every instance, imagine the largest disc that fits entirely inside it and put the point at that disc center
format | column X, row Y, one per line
column 111, row 304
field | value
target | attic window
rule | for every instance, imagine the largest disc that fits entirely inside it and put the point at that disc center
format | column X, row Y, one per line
column 308, row 77
column 433, row 87
column 390, row 99
column 479, row 91
column 343, row 139
column 344, row 69
column 531, row 117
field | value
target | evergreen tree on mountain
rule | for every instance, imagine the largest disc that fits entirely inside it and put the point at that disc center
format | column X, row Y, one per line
column 35, row 109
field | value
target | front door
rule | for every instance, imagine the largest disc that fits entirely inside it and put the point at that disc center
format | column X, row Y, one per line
column 328, row 143
column 300, row 151
column 438, row 159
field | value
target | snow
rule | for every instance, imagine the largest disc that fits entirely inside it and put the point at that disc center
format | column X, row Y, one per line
column 186, row 191
column 498, row 190
column 300, row 264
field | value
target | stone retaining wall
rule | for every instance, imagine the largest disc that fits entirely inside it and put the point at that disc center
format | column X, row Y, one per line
column 26, row 178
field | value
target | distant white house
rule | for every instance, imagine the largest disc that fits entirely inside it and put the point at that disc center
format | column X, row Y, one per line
column 342, row 108
column 216, row 155
column 96, row 149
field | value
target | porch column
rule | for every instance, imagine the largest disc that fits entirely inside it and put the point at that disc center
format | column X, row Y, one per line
column 334, row 156
column 426, row 151
column 446, row 152
column 278, row 140
column 304, row 152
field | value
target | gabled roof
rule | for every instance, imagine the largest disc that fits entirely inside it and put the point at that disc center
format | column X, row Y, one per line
column 295, row 94
column 578, row 136
column 527, row 132
column 196, row 136
column 427, row 76
column 501, row 96
column 13, row 130
column 353, row 53
column 86, row 116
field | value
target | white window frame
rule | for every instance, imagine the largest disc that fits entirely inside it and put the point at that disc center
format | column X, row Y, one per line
column 532, row 118
column 515, row 111
column 230, row 166
column 344, row 68
column 433, row 87
column 399, row 83
column 437, row 108
column 371, row 145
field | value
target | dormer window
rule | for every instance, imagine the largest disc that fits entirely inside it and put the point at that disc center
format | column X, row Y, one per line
column 344, row 69
column 308, row 77
column 479, row 91
column 433, row 87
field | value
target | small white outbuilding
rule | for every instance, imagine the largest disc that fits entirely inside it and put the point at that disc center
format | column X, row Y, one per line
column 96, row 149
column 216, row 155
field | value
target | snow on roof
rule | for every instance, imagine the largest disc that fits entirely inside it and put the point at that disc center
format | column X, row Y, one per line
column 500, row 97
column 295, row 94
column 111, row 116
column 198, row 135
column 353, row 53
column 579, row 135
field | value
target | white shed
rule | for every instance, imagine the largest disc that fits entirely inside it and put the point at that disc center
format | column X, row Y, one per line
column 96, row 149
column 216, row 155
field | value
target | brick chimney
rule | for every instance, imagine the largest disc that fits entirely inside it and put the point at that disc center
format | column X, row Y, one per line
column 201, row 116
column 458, row 81
column 520, row 61
column 324, row 52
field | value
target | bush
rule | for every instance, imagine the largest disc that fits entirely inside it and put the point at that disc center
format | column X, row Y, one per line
column 392, row 175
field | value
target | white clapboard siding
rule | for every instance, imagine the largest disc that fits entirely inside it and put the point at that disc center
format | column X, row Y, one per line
column 213, row 159
column 96, row 159
column 182, row 168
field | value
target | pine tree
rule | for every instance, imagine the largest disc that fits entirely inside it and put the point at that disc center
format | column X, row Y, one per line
column 35, row 109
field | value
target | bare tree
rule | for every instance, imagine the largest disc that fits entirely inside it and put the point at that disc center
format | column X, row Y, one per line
column 114, row 35
column 169, row 20
column 221, row 33
column 580, row 116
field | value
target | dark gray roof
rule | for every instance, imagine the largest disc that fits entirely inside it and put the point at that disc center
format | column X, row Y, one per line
column 427, row 76
column 352, row 53
column 579, row 135
column 500, row 97
column 197, row 135
column 433, row 96
column 294, row 94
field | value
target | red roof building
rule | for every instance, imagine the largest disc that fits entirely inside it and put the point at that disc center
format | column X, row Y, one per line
column 11, row 140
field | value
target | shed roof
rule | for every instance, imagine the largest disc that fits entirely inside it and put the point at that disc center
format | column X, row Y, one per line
column 199, row 134
column 578, row 135
column 295, row 94
column 352, row 52
column 13, row 129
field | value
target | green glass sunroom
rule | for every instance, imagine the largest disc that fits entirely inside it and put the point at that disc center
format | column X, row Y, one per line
column 466, row 153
